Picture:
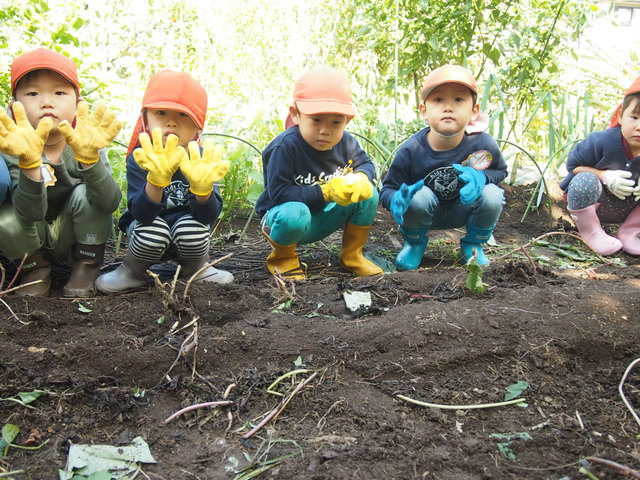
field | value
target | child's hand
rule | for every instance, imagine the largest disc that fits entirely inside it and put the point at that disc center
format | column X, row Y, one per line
column 618, row 183
column 360, row 185
column 338, row 190
column 474, row 179
column 160, row 163
column 20, row 139
column 402, row 198
column 203, row 172
column 91, row 133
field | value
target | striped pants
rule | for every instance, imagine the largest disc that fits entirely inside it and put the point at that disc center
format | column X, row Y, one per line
column 150, row 242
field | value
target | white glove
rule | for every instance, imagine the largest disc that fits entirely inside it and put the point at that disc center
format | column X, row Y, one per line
column 636, row 192
column 618, row 183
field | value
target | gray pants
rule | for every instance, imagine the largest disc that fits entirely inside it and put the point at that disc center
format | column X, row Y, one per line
column 78, row 222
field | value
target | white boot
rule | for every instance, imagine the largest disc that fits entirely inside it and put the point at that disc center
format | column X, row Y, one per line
column 209, row 274
column 131, row 274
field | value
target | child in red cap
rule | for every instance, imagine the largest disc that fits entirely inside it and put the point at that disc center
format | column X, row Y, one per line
column 63, row 191
column 172, row 200
column 446, row 175
column 610, row 158
column 317, row 178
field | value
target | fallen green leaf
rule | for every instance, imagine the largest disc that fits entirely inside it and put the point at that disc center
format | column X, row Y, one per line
column 515, row 390
column 9, row 433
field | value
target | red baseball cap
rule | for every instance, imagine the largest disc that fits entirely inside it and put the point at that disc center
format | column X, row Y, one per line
column 44, row 59
column 177, row 91
column 448, row 74
column 174, row 91
column 615, row 119
column 323, row 90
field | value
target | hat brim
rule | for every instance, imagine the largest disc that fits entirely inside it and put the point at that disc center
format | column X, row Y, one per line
column 174, row 106
column 425, row 92
column 64, row 74
column 323, row 106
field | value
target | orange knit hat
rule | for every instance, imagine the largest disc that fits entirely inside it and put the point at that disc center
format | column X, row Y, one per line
column 173, row 91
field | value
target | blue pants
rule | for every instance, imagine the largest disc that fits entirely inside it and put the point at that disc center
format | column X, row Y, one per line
column 427, row 211
column 5, row 181
column 293, row 222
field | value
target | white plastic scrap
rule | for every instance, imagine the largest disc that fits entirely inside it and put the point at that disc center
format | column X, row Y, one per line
column 356, row 300
column 106, row 461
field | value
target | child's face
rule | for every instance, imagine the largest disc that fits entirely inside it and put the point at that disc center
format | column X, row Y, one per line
column 47, row 94
column 323, row 130
column 630, row 127
column 449, row 108
column 172, row 122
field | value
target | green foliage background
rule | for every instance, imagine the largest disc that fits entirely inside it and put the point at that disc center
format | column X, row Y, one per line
column 248, row 53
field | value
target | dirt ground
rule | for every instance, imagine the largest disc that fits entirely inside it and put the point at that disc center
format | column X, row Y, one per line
column 114, row 368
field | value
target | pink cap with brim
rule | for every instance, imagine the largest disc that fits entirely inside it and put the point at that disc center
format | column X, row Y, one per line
column 323, row 90
column 448, row 74
column 44, row 59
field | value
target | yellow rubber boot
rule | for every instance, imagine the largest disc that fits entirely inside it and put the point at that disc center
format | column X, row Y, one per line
column 283, row 260
column 351, row 257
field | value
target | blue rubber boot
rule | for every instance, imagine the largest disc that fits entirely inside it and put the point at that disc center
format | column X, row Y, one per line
column 415, row 243
column 475, row 238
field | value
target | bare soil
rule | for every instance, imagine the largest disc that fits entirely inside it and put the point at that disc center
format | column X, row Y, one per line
column 115, row 368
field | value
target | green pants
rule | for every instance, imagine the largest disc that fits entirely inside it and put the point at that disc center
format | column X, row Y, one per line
column 78, row 222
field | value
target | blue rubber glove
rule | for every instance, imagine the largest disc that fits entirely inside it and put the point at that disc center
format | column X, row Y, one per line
column 402, row 198
column 475, row 180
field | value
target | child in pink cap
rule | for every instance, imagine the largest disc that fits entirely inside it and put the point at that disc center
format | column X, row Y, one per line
column 446, row 175
column 317, row 178
column 611, row 159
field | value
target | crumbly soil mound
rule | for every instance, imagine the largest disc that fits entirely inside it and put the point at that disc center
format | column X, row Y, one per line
column 114, row 368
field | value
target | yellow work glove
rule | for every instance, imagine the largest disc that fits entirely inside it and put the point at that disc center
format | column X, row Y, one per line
column 347, row 189
column 20, row 139
column 160, row 162
column 203, row 172
column 91, row 133
column 362, row 189
column 337, row 190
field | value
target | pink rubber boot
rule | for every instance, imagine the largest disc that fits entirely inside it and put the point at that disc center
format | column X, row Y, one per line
column 588, row 224
column 628, row 233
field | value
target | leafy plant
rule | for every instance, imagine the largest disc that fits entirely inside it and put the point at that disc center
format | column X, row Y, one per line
column 474, row 276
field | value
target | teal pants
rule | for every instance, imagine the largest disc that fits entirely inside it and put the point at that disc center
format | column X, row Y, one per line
column 78, row 222
column 293, row 222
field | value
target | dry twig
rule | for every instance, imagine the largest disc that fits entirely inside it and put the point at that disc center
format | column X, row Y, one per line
column 202, row 269
column 276, row 411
